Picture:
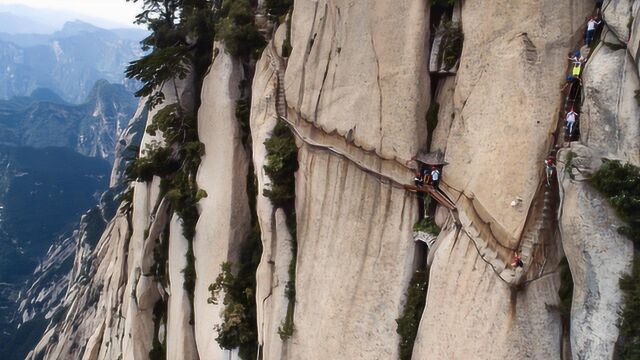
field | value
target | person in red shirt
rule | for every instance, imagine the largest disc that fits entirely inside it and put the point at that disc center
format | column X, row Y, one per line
column 517, row 260
column 549, row 169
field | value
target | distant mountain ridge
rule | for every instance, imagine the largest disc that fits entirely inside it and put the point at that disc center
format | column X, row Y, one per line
column 52, row 19
column 52, row 169
column 17, row 24
column 68, row 61
column 44, row 119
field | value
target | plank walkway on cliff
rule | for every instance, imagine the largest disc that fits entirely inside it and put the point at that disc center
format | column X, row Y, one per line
column 542, row 215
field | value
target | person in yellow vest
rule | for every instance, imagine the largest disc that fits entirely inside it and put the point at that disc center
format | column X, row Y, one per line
column 577, row 61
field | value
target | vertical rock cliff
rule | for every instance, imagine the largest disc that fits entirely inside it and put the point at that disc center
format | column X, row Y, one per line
column 597, row 253
column 350, row 82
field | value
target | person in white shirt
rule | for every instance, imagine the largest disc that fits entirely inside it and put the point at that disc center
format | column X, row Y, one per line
column 592, row 25
column 571, row 121
column 435, row 177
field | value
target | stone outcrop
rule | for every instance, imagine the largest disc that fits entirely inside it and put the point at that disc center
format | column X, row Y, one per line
column 272, row 274
column 355, row 246
column 610, row 112
column 507, row 89
column 598, row 255
column 224, row 213
column 180, row 338
column 127, row 142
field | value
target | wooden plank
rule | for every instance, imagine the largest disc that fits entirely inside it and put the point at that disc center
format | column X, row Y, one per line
column 435, row 194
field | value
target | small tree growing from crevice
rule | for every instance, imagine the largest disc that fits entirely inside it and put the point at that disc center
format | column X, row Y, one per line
column 239, row 323
column 236, row 27
column 281, row 165
column 451, row 45
column 409, row 321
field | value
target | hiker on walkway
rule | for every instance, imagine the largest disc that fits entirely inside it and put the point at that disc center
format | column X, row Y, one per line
column 517, row 260
column 576, row 57
column 418, row 180
column 418, row 170
column 577, row 61
column 571, row 122
column 549, row 169
column 435, row 176
column 592, row 25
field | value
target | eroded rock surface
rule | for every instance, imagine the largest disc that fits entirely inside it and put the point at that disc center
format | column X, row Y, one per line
column 598, row 256
column 357, row 88
column 360, row 68
column 272, row 274
column 224, row 213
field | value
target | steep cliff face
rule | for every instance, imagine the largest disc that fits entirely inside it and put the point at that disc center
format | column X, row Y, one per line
column 355, row 91
column 355, row 249
column 597, row 253
column 503, row 112
column 107, row 311
column 224, row 213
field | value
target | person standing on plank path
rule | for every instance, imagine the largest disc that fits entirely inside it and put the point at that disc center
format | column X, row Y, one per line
column 592, row 25
column 418, row 180
column 435, row 176
column 549, row 169
column 571, row 122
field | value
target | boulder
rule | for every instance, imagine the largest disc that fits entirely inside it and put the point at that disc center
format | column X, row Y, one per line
column 597, row 254
column 610, row 111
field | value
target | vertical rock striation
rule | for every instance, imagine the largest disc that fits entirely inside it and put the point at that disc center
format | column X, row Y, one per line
column 597, row 254
column 505, row 102
column 224, row 213
column 356, row 88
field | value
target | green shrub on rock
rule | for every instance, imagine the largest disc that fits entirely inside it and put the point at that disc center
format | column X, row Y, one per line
column 278, row 8
column 237, row 29
column 410, row 320
column 427, row 225
column 282, row 163
column 620, row 184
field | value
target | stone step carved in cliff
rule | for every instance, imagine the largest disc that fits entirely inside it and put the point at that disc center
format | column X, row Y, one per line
column 541, row 229
column 281, row 100
column 490, row 251
column 533, row 241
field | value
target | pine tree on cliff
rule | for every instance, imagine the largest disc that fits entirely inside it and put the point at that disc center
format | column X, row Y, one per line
column 181, row 36
column 180, row 44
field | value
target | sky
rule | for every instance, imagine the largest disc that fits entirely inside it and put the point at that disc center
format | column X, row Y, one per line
column 117, row 11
